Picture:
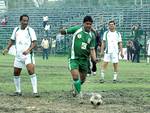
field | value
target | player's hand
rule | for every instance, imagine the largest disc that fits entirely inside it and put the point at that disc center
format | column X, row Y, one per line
column 5, row 51
column 97, row 60
column 122, row 56
column 101, row 54
column 26, row 52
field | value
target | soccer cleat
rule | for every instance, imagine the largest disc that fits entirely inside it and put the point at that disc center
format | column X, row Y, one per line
column 88, row 75
column 36, row 95
column 94, row 73
column 114, row 81
column 74, row 92
column 81, row 98
column 16, row 94
column 101, row 81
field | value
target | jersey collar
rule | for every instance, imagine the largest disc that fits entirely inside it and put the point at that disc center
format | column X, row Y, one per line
column 25, row 28
column 85, row 31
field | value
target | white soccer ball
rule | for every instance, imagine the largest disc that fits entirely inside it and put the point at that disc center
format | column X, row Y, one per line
column 96, row 99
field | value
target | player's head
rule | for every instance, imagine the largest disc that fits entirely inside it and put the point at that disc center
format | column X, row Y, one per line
column 87, row 22
column 112, row 25
column 24, row 21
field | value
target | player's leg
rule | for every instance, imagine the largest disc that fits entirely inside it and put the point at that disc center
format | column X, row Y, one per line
column 89, row 67
column 102, row 73
column 115, row 74
column 148, row 59
column 76, row 80
column 30, row 65
column 104, row 66
column 74, row 69
column 148, row 55
column 83, row 70
column 115, row 60
column 17, row 83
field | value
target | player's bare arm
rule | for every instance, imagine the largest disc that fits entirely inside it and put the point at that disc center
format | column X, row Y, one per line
column 102, row 48
column 121, row 49
column 93, row 55
column 10, row 43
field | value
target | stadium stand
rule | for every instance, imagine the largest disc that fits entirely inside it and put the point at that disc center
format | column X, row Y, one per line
column 59, row 17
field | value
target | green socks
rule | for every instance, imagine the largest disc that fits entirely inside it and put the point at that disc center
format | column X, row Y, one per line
column 77, row 85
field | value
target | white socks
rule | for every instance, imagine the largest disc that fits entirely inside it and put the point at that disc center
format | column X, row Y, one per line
column 102, row 74
column 147, row 59
column 115, row 76
column 34, row 82
column 17, row 83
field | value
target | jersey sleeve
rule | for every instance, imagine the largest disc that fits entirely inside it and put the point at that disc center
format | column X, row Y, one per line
column 33, row 35
column 72, row 30
column 13, row 36
column 104, row 35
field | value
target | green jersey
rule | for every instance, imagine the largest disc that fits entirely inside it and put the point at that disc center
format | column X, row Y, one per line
column 82, row 42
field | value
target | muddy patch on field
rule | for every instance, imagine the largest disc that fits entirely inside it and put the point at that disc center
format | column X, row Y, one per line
column 118, row 101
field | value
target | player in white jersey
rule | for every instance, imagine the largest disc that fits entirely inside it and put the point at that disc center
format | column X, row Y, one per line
column 24, row 38
column 111, row 42
column 148, row 51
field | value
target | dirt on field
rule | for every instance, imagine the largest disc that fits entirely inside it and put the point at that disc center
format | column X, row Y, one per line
column 121, row 101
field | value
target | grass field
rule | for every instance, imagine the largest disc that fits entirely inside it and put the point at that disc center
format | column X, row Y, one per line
column 130, row 95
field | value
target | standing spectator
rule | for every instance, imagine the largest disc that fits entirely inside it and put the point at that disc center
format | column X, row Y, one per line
column 53, row 46
column 83, row 46
column 111, row 40
column 137, row 47
column 45, row 46
column 129, row 46
column 46, row 29
column 59, row 41
column 25, row 41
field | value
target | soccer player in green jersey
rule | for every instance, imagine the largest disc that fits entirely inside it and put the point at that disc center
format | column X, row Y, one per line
column 82, row 47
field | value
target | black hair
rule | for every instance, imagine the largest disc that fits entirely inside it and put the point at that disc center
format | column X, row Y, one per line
column 87, row 18
column 112, row 21
column 24, row 15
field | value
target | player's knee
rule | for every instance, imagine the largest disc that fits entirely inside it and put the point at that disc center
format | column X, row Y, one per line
column 17, row 72
column 31, row 72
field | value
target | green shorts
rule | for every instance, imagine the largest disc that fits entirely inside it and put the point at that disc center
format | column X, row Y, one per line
column 80, row 64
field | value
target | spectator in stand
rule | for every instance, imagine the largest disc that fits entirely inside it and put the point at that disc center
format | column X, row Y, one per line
column 45, row 20
column 4, row 21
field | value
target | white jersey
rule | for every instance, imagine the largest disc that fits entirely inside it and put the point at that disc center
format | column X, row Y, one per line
column 112, row 39
column 23, row 39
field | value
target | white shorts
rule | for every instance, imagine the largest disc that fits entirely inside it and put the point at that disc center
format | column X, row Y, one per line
column 22, row 61
column 113, row 57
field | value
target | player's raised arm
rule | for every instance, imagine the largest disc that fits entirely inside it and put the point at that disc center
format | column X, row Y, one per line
column 70, row 30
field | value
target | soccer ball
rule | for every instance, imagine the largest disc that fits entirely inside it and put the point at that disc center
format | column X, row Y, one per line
column 96, row 99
